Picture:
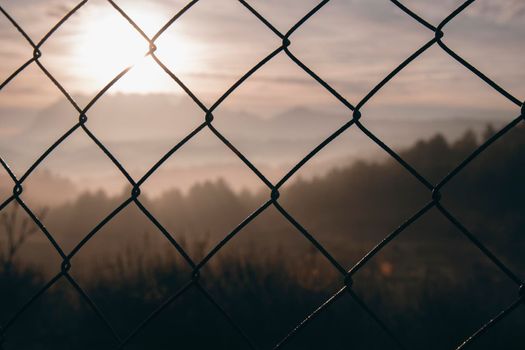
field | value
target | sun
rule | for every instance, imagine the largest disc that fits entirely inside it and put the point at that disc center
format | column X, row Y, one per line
column 107, row 44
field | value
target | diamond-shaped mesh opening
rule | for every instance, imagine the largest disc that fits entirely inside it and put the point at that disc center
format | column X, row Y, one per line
column 444, row 130
column 342, row 153
column 6, row 185
column 42, row 17
column 47, row 183
column 27, row 256
column 487, row 197
column 26, row 248
column 339, row 206
column 151, row 16
column 202, row 327
column 78, row 204
column 506, row 333
column 344, row 325
column 147, row 264
column 263, row 283
column 39, row 327
column 16, row 289
column 186, row 50
column 433, row 12
column 358, row 41
column 444, row 84
column 203, row 179
column 283, row 14
column 85, row 55
column 258, row 120
column 418, row 280
column 485, row 49
column 139, row 129
column 14, row 53
column 43, row 119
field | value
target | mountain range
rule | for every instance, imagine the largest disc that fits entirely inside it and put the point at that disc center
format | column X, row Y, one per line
column 140, row 128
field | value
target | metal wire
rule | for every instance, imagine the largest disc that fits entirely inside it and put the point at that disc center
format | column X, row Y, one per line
column 437, row 35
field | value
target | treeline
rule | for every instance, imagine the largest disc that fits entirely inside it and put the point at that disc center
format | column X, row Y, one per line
column 430, row 284
column 349, row 208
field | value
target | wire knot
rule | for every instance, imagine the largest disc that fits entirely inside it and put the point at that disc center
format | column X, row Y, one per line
column 37, row 53
column 439, row 34
column 356, row 115
column 195, row 275
column 152, row 49
column 275, row 194
column 65, row 266
column 135, row 192
column 523, row 110
column 82, row 119
column 209, row 117
column 436, row 195
column 286, row 42
column 348, row 281
column 17, row 190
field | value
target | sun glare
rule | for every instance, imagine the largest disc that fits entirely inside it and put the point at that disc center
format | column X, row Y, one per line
column 107, row 44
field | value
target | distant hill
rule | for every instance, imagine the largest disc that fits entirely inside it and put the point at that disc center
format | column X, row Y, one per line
column 139, row 129
column 348, row 210
column 42, row 189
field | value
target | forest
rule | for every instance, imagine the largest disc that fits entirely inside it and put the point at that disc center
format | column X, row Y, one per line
column 430, row 285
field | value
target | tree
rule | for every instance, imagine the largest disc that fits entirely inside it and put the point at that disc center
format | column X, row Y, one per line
column 17, row 229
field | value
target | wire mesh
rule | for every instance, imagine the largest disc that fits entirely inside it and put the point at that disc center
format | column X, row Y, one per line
column 357, row 120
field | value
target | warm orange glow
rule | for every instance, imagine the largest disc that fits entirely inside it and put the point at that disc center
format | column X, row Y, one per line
column 108, row 44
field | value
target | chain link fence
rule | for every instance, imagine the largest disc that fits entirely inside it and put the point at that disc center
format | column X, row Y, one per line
column 357, row 120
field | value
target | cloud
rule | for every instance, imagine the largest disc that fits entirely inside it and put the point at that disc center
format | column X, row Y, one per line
column 58, row 10
column 501, row 11
column 351, row 44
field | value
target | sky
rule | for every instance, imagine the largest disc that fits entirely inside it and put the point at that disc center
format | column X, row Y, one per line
column 351, row 44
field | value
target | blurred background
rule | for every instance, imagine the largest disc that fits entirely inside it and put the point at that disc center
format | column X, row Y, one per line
column 430, row 285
